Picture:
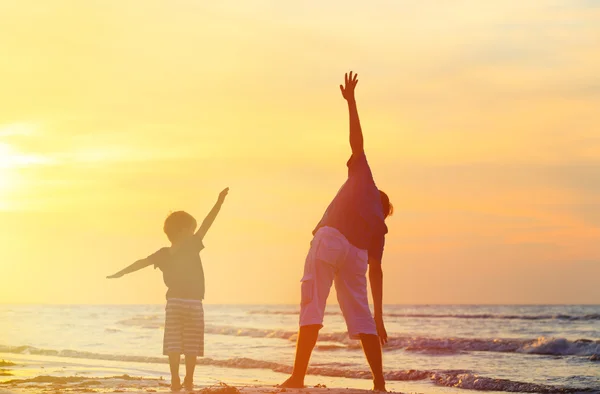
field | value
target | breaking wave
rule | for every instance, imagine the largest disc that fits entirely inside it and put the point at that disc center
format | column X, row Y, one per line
column 440, row 346
column 472, row 381
column 591, row 316
column 425, row 345
column 458, row 379
column 541, row 345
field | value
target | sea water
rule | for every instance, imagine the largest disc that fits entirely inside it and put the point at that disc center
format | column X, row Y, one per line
column 431, row 348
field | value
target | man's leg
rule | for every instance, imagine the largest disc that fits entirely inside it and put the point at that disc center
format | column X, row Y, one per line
column 307, row 339
column 351, row 289
column 174, row 360
column 319, row 272
column 372, row 348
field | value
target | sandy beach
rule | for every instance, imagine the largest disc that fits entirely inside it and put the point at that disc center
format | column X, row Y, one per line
column 16, row 378
column 128, row 384
column 36, row 378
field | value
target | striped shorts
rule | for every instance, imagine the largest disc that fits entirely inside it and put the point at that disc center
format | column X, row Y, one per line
column 184, row 327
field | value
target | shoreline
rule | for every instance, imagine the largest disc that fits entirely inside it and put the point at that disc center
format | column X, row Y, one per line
column 43, row 374
column 28, row 374
column 35, row 374
column 133, row 384
column 77, row 384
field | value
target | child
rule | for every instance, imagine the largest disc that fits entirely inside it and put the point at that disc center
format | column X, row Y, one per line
column 184, row 277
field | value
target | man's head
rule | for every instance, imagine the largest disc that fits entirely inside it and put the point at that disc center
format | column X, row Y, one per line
column 388, row 208
column 179, row 225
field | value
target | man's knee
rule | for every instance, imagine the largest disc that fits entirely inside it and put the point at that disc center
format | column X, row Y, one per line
column 311, row 328
column 368, row 337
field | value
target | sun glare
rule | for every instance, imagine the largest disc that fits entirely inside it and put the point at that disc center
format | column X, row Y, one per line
column 11, row 158
column 10, row 161
column 6, row 173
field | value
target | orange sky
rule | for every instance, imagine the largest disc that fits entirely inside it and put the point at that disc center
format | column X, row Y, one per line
column 480, row 120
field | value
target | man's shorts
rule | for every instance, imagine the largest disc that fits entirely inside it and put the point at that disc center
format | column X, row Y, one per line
column 184, row 327
column 332, row 259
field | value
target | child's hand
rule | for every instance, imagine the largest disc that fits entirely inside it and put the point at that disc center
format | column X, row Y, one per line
column 114, row 276
column 223, row 194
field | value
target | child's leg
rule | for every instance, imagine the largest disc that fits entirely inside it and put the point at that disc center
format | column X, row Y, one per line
column 174, row 360
column 190, row 366
column 172, row 342
column 193, row 340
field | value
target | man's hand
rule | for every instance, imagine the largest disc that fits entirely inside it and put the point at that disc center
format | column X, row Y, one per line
column 115, row 276
column 381, row 330
column 347, row 89
column 223, row 194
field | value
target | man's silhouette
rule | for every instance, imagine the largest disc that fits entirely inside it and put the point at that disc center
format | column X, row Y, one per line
column 349, row 239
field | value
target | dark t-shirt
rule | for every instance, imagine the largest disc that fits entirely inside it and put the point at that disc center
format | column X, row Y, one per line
column 182, row 269
column 356, row 210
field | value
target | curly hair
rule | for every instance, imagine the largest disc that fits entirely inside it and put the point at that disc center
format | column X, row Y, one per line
column 176, row 222
column 388, row 208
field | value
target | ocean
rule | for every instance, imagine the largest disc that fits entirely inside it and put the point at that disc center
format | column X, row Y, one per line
column 432, row 348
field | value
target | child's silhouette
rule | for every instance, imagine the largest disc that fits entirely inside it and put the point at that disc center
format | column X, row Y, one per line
column 183, row 274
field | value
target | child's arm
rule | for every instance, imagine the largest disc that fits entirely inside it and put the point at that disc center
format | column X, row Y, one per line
column 212, row 215
column 138, row 265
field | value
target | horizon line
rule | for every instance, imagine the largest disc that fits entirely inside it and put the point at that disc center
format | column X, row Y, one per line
column 296, row 305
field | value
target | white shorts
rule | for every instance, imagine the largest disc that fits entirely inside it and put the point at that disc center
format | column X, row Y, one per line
column 332, row 259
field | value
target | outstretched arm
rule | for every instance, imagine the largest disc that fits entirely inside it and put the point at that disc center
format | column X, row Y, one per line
column 376, row 280
column 138, row 265
column 212, row 215
column 356, row 136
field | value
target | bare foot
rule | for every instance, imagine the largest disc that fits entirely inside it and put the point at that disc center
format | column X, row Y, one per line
column 175, row 385
column 188, row 385
column 379, row 387
column 292, row 383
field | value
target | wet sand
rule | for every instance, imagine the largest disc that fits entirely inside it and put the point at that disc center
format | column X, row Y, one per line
column 14, row 382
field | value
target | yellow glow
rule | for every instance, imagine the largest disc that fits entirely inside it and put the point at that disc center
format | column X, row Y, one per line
column 12, row 160
column 480, row 120
column 8, row 162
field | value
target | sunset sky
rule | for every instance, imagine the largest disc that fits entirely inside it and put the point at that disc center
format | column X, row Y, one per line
column 481, row 121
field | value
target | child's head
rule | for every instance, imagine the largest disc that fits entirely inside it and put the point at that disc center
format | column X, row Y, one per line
column 388, row 208
column 179, row 225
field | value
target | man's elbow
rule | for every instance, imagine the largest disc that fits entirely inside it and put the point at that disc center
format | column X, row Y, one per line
column 357, row 147
column 375, row 269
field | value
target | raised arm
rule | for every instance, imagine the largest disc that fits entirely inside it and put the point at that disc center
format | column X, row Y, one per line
column 138, row 265
column 356, row 136
column 376, row 280
column 212, row 215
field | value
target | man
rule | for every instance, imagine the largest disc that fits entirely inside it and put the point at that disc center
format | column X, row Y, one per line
column 349, row 239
